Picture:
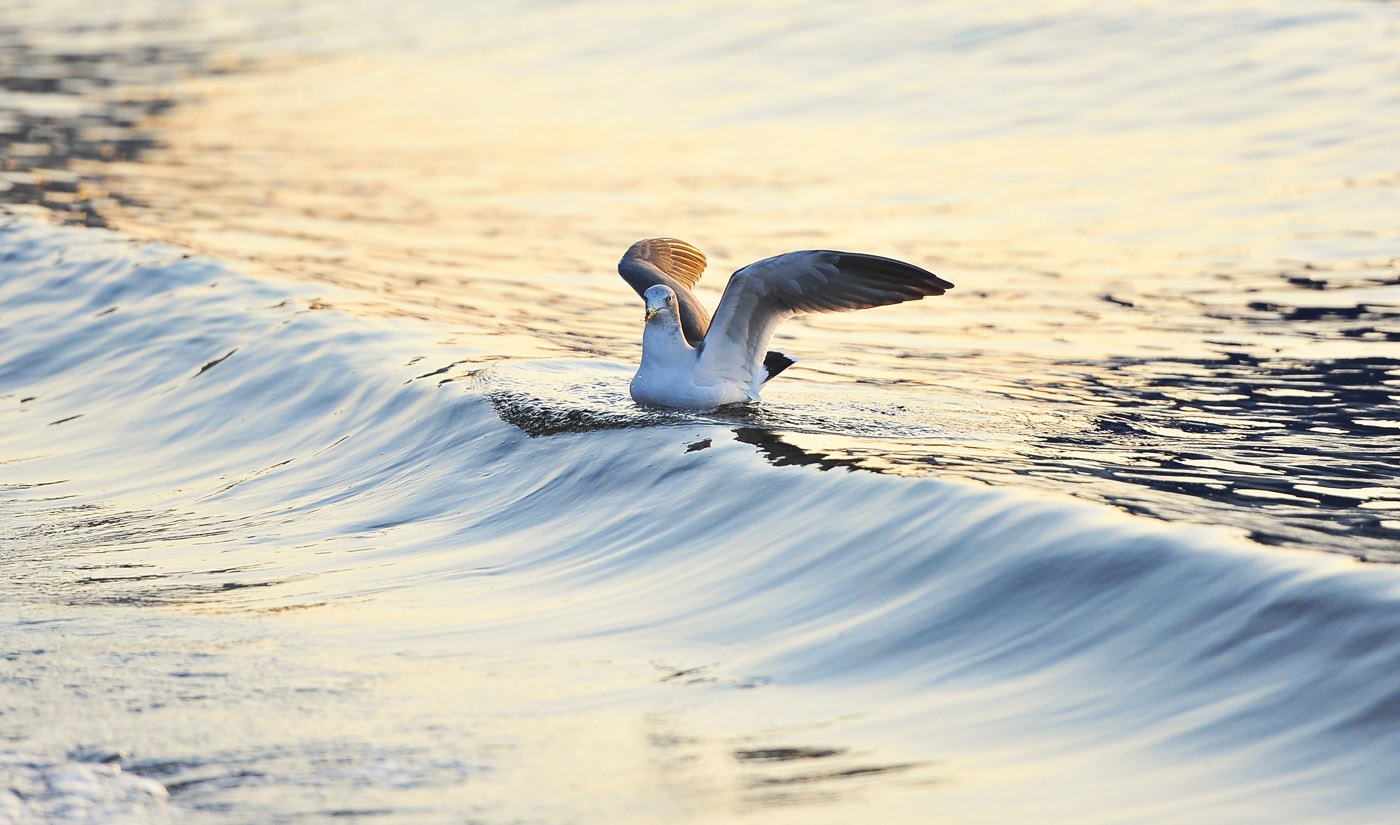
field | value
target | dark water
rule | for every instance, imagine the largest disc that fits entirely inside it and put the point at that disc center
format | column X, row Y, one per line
column 365, row 526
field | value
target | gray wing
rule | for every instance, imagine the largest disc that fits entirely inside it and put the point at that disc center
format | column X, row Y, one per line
column 676, row 264
column 762, row 295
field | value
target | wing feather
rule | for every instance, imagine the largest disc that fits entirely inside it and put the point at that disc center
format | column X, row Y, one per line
column 679, row 266
column 762, row 295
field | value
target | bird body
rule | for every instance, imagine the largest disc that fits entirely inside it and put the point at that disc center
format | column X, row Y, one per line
column 692, row 361
column 670, row 374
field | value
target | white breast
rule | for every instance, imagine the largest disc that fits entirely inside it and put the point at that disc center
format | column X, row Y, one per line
column 670, row 388
column 670, row 374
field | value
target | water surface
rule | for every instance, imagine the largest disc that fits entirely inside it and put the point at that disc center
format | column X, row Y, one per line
column 324, row 498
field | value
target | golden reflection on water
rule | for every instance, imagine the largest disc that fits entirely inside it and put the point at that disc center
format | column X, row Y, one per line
column 496, row 197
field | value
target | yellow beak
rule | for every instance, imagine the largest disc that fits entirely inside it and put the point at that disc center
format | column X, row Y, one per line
column 650, row 312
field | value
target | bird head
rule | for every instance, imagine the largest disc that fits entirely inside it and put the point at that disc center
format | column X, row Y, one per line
column 660, row 300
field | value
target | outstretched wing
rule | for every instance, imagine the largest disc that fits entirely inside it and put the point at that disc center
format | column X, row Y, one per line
column 676, row 264
column 762, row 295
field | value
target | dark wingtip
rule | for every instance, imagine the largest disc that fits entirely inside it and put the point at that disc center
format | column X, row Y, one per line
column 775, row 362
column 914, row 281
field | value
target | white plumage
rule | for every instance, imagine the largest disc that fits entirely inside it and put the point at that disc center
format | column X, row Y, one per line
column 690, row 361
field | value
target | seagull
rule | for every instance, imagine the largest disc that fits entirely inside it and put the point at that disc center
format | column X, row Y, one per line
column 692, row 362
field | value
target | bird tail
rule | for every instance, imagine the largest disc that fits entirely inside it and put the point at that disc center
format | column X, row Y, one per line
column 775, row 362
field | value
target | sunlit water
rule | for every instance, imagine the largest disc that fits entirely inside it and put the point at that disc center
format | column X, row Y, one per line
column 323, row 497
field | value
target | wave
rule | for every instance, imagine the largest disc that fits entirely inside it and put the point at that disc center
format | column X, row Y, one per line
column 254, row 452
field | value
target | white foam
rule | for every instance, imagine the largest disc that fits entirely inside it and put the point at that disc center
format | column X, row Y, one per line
column 36, row 791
